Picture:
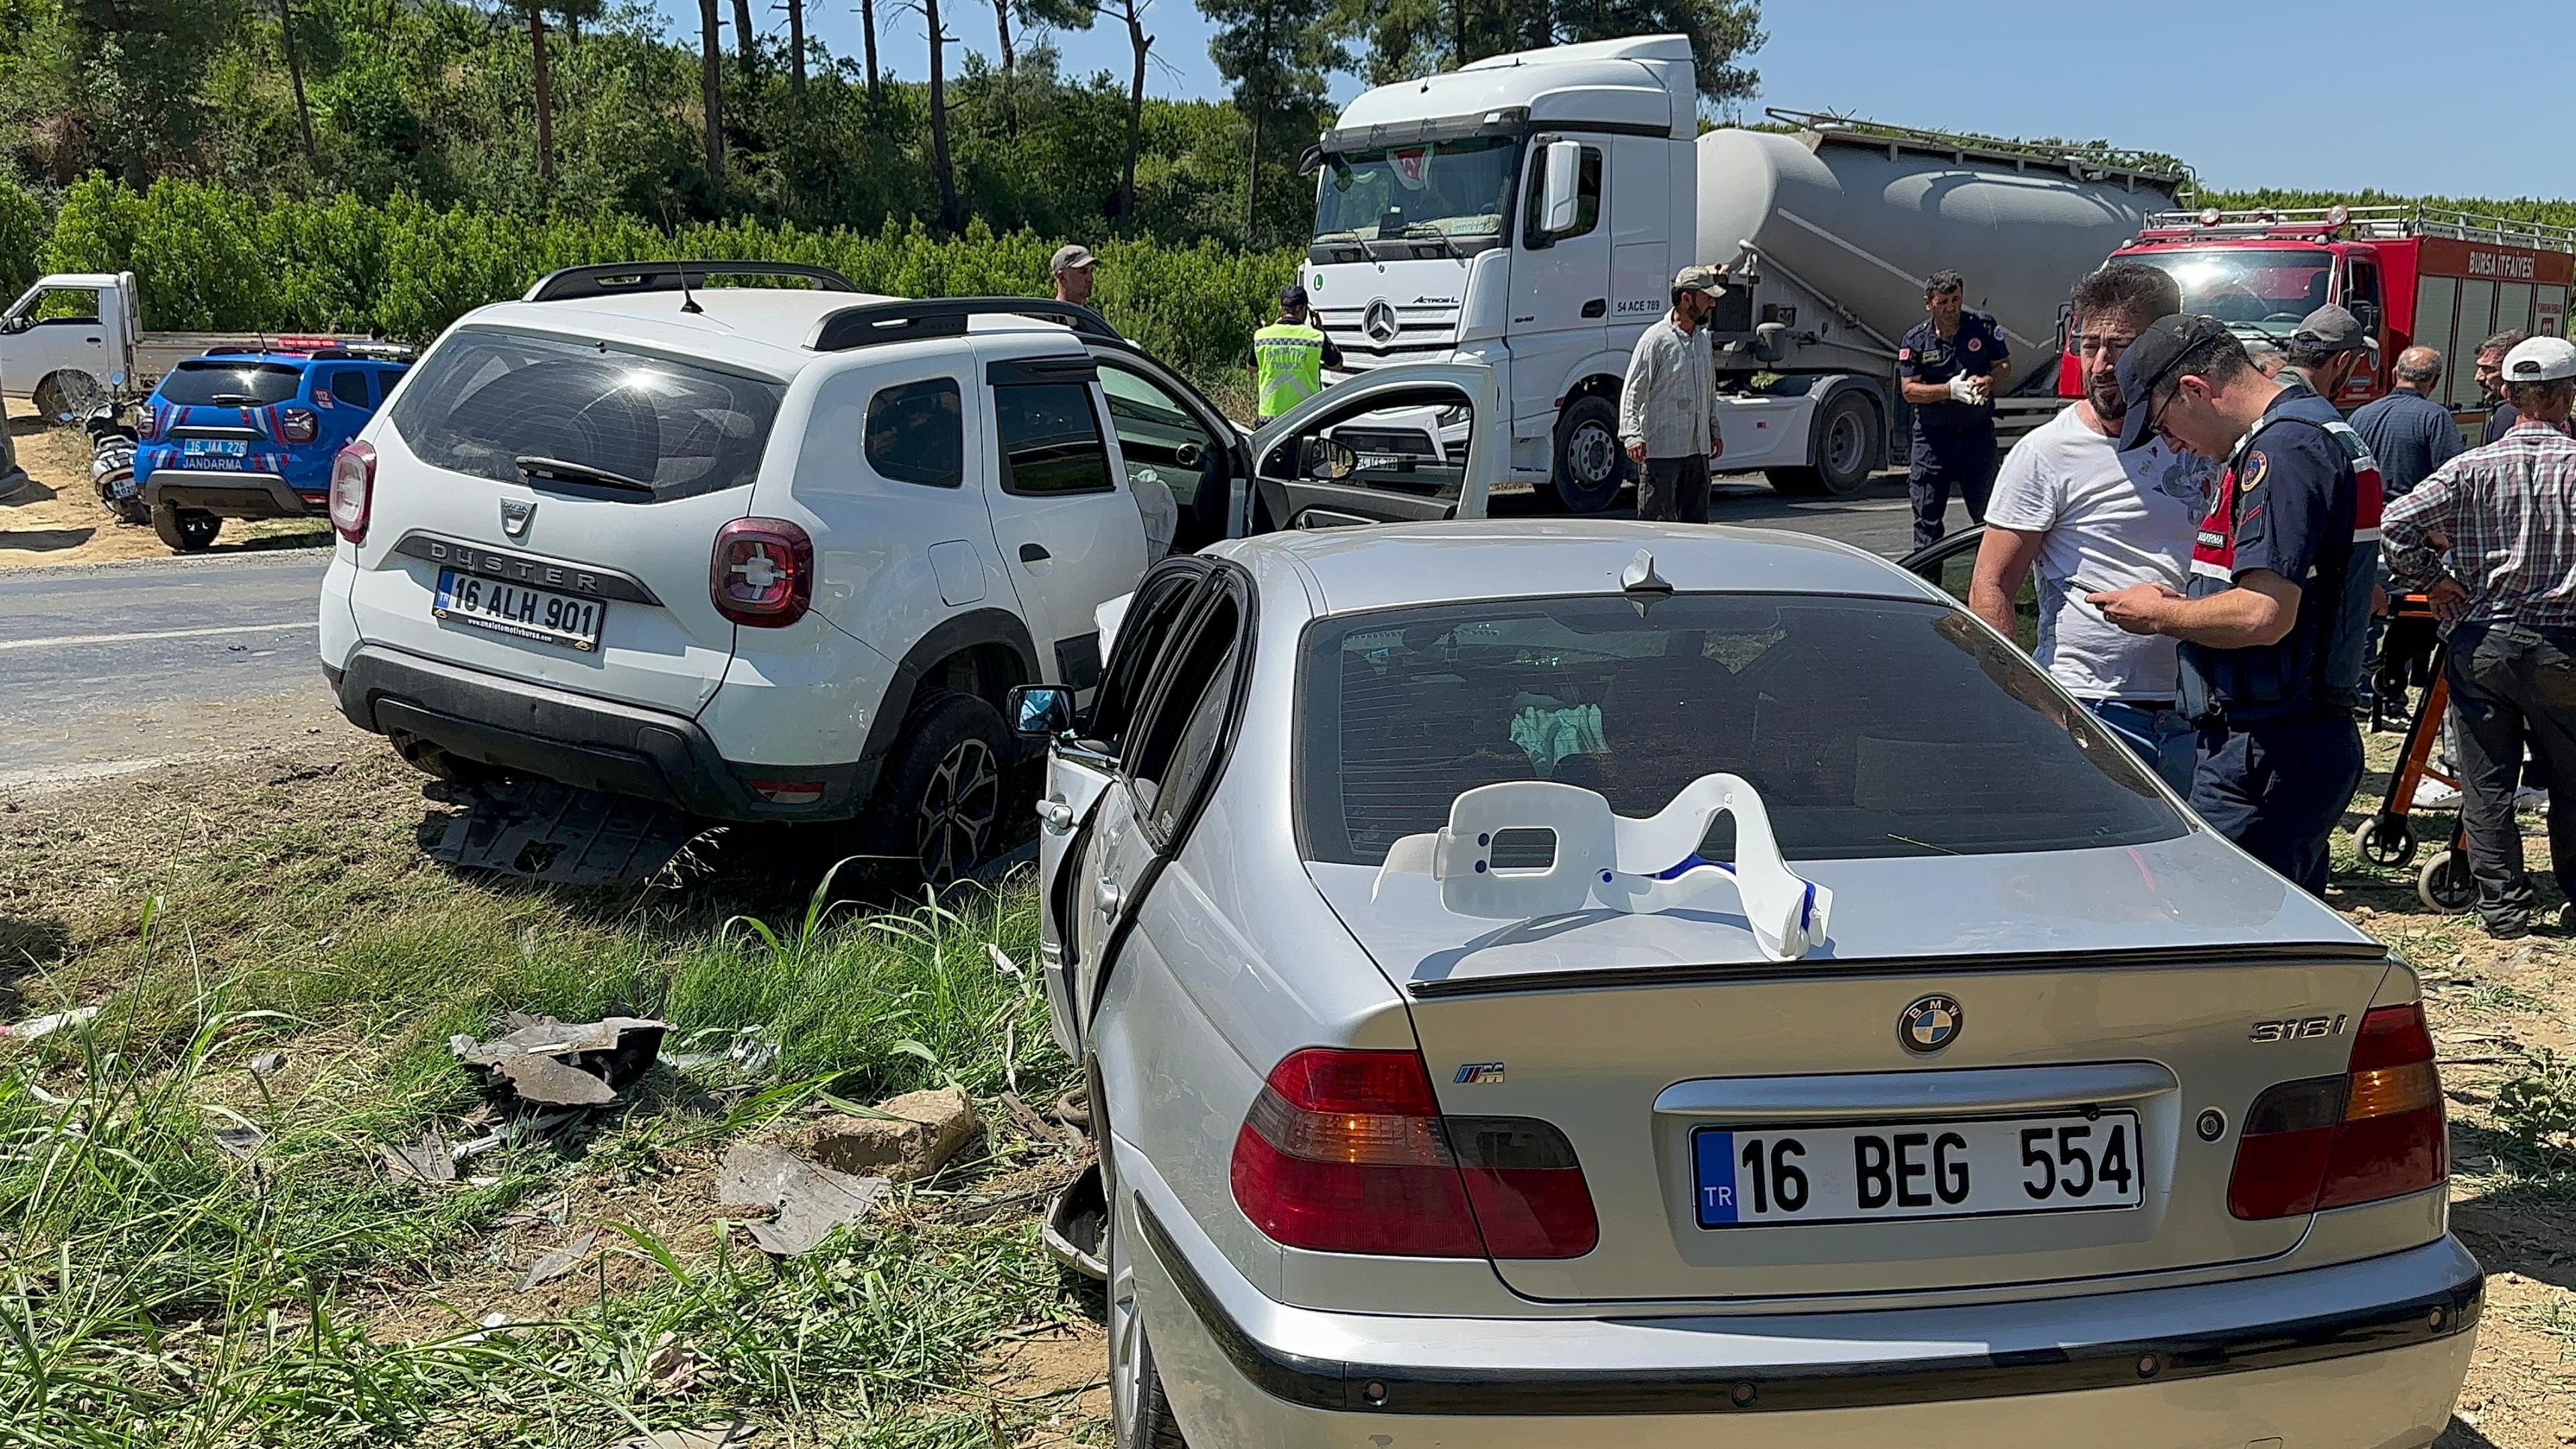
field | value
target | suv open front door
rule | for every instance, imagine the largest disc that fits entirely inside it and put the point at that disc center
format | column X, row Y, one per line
column 1417, row 441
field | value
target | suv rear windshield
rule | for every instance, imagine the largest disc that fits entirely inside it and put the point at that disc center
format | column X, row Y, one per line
column 1870, row 727
column 483, row 400
column 204, row 384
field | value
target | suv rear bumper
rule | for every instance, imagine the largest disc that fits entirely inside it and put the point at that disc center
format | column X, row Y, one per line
column 228, row 495
column 595, row 744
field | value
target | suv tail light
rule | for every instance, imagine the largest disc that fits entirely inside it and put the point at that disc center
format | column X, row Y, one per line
column 149, row 427
column 299, row 426
column 353, row 490
column 1346, row 1152
column 762, row 574
column 2378, row 1131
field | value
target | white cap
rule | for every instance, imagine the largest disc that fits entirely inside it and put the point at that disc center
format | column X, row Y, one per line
column 2540, row 359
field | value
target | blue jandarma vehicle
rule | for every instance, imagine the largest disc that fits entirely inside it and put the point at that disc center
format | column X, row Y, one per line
column 251, row 433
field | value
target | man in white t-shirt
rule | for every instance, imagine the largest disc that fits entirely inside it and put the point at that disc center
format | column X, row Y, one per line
column 2091, row 519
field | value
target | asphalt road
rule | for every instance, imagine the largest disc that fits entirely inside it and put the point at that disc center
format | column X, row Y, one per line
column 108, row 668
column 105, row 668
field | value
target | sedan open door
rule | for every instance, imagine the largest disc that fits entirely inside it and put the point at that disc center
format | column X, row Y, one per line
column 1395, row 444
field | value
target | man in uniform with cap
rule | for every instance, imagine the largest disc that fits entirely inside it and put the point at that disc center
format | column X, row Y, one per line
column 2282, row 568
column 1668, row 404
column 1289, row 357
column 2330, row 345
column 1072, row 264
column 2506, row 516
column 1948, row 367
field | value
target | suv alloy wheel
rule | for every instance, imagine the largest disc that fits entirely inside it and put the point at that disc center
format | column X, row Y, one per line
column 940, row 803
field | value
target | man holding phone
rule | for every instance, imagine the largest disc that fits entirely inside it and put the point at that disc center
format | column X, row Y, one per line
column 2091, row 518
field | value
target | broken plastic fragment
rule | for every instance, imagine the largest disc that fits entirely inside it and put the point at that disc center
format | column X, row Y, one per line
column 553, row 1064
column 805, row 1200
column 1616, row 862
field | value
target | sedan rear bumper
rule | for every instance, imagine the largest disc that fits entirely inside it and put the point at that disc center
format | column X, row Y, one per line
column 2367, row 1354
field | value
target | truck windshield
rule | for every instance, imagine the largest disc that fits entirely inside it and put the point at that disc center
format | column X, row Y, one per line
column 1438, row 189
column 2265, row 290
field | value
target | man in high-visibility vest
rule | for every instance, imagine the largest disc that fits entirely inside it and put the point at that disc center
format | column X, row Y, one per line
column 1288, row 358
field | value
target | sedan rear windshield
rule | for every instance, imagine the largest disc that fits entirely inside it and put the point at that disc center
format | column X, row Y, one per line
column 1870, row 727
column 204, row 384
column 585, row 417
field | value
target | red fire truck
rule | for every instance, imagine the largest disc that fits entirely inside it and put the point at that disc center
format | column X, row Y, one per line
column 2412, row 274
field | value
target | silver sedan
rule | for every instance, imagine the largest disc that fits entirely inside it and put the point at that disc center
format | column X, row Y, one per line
column 1569, row 983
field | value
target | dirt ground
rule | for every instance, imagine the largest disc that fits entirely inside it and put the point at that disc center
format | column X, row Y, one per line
column 59, row 520
column 77, row 858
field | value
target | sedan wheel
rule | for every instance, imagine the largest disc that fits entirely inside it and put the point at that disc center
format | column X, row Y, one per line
column 1140, row 1417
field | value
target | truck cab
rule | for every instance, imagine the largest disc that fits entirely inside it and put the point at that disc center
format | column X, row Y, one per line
column 1527, row 212
column 2414, row 276
column 69, row 339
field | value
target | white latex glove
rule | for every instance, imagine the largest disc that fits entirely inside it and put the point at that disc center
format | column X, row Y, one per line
column 1963, row 388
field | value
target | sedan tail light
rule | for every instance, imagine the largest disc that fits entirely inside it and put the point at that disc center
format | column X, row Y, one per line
column 353, row 490
column 762, row 574
column 299, row 426
column 2377, row 1131
column 1346, row 1152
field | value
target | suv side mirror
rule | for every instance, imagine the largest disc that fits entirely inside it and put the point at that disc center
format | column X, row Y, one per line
column 1326, row 460
column 1557, row 211
column 1041, row 711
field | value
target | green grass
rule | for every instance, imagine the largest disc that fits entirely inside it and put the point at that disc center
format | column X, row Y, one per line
column 155, row 1290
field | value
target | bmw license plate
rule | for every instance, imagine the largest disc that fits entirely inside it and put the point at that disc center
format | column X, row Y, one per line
column 1765, row 1177
column 508, row 608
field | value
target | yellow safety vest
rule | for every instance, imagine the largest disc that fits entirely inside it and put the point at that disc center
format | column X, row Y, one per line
column 1290, row 362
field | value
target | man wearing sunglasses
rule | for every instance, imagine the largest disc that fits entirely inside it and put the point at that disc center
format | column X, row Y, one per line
column 2087, row 517
column 2273, row 624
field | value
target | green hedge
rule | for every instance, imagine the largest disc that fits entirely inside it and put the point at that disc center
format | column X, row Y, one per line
column 208, row 259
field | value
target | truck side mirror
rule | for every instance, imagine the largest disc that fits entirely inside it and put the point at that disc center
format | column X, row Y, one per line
column 1563, row 183
column 12, row 326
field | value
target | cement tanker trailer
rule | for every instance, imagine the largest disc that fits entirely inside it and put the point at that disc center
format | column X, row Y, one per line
column 1528, row 212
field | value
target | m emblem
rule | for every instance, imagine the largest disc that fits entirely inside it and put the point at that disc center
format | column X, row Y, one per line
column 1379, row 321
column 515, row 514
column 1930, row 1023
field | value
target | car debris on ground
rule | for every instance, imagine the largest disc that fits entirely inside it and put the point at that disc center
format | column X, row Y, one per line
column 788, row 1204
column 555, row 1064
column 552, row 1265
column 47, row 1025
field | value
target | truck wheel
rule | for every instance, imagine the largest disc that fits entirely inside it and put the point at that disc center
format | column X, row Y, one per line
column 185, row 529
column 939, row 808
column 62, row 396
column 1590, row 464
column 1843, row 446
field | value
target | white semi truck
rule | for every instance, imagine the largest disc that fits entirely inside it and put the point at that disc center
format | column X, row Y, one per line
column 1528, row 212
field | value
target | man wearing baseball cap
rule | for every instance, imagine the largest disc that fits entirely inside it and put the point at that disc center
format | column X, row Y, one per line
column 2282, row 567
column 1072, row 264
column 1668, row 404
column 1289, row 357
column 2505, row 516
column 2329, row 347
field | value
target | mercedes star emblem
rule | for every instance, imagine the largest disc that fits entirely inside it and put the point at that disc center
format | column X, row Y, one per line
column 1379, row 321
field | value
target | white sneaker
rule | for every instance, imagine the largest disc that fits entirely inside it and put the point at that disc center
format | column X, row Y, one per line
column 2432, row 794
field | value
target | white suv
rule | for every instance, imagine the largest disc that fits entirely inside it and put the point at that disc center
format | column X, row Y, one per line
column 777, row 553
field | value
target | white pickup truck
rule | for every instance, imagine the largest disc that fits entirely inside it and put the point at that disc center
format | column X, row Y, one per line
column 77, row 336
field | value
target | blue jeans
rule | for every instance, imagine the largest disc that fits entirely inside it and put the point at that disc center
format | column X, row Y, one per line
column 2161, row 737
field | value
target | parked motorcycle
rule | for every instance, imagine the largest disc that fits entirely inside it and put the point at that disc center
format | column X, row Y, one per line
column 111, row 464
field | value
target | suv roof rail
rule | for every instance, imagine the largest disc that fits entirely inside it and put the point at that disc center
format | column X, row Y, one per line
column 615, row 279
column 880, row 322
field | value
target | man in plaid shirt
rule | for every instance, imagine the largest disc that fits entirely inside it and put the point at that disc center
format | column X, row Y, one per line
column 2506, row 516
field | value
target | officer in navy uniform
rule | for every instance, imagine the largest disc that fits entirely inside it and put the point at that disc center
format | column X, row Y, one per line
column 1949, row 367
column 2272, row 630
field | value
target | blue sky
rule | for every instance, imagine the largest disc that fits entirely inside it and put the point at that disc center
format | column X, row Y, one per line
column 2252, row 94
